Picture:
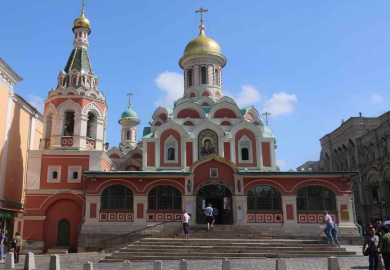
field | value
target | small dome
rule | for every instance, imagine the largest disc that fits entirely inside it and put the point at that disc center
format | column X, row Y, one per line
column 82, row 21
column 129, row 113
column 202, row 44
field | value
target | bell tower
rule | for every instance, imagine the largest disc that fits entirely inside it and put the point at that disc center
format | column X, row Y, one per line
column 75, row 111
column 129, row 121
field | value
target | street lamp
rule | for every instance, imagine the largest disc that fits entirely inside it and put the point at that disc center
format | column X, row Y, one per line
column 381, row 203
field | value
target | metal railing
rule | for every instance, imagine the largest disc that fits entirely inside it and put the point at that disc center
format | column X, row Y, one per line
column 123, row 240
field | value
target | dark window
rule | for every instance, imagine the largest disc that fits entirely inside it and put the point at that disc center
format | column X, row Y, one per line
column 91, row 124
column 164, row 197
column 316, row 198
column 75, row 175
column 171, row 154
column 216, row 72
column 264, row 198
column 190, row 75
column 54, row 174
column 128, row 135
column 203, row 75
column 245, row 154
column 69, row 123
column 117, row 197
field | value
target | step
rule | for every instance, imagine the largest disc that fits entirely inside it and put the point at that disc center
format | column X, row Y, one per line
column 57, row 250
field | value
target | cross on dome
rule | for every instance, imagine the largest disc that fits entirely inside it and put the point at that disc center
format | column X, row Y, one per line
column 201, row 10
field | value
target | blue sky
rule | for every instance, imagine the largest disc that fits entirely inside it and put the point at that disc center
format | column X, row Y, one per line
column 311, row 63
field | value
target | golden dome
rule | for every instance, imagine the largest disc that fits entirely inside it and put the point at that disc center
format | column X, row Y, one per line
column 202, row 44
column 82, row 21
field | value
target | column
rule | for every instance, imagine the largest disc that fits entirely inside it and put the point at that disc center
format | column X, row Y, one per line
column 289, row 207
column 140, row 206
column 189, row 204
column 92, row 206
column 239, row 209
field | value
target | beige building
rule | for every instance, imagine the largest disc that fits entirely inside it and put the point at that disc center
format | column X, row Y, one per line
column 361, row 144
column 21, row 128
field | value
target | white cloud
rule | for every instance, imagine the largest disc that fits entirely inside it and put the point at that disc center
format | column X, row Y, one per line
column 377, row 99
column 248, row 96
column 280, row 104
column 282, row 164
column 172, row 84
column 37, row 102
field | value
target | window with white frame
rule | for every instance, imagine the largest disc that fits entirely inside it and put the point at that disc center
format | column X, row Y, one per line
column 171, row 147
column 245, row 150
column 74, row 174
column 54, row 174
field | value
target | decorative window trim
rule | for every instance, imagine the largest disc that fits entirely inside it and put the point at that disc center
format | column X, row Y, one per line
column 50, row 170
column 245, row 142
column 71, row 170
column 171, row 142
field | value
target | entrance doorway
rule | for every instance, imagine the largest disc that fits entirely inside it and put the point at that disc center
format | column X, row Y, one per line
column 63, row 233
column 220, row 198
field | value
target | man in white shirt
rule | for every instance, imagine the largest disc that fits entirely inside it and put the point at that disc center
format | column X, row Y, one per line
column 186, row 224
column 329, row 226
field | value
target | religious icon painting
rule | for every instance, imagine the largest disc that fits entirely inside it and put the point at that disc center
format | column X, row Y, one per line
column 213, row 173
column 207, row 143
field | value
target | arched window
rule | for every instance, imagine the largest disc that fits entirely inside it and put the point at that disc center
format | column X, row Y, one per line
column 203, row 75
column 74, row 80
column 244, row 153
column 171, row 153
column 190, row 77
column 127, row 134
column 264, row 198
column 91, row 125
column 316, row 198
column 75, row 175
column 216, row 77
column 164, row 197
column 69, row 123
column 54, row 175
column 117, row 197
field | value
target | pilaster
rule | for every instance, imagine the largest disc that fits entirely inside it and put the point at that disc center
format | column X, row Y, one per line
column 289, row 207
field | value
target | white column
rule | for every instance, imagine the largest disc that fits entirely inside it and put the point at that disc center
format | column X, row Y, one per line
column 289, row 200
column 140, row 199
column 91, row 200
column 345, row 221
column 239, row 209
column 189, row 204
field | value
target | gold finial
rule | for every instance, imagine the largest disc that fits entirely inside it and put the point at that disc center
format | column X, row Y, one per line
column 129, row 94
column 82, row 21
column 201, row 26
column 82, row 7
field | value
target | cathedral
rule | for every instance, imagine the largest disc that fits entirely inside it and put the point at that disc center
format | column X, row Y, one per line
column 205, row 149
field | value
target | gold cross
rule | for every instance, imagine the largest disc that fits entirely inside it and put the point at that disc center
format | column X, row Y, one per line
column 83, row 4
column 201, row 10
column 266, row 117
column 129, row 94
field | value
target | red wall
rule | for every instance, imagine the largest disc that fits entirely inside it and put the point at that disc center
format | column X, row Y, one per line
column 151, row 154
column 222, row 113
column 188, row 113
column 226, row 147
column 189, row 155
column 202, row 172
column 266, row 154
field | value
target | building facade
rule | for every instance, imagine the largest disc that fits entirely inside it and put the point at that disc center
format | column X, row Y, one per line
column 20, row 131
column 203, row 150
column 361, row 144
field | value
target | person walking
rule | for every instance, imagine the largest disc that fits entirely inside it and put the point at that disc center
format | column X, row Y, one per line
column 371, row 241
column 186, row 224
column 335, row 232
column 2, row 243
column 329, row 226
column 17, row 246
column 384, row 246
column 215, row 214
column 209, row 216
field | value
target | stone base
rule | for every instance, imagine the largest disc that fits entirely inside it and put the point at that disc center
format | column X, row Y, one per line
column 34, row 246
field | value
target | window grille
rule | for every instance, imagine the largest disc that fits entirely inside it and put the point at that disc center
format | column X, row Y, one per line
column 171, row 154
column 264, row 198
column 117, row 197
column 164, row 197
column 316, row 198
column 75, row 175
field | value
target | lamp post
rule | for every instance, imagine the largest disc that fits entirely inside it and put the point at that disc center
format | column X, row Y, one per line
column 380, row 203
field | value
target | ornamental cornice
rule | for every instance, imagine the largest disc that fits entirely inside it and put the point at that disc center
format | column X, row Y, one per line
column 8, row 77
column 214, row 157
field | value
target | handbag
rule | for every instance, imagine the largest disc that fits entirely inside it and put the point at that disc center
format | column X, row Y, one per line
column 368, row 250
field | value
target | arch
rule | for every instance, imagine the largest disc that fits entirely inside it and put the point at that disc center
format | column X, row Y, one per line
column 249, row 116
column 63, row 233
column 116, row 197
column 50, row 109
column 214, row 182
column 266, row 182
column 188, row 109
column 192, row 95
column 205, row 104
column 207, row 125
column 164, row 197
column 184, row 113
column 91, row 125
column 264, row 197
column 69, row 105
column 114, row 156
column 93, row 107
column 319, row 182
column 137, row 155
column 205, row 94
column 316, row 198
column 225, row 123
column 188, row 123
column 213, row 157
column 170, row 125
column 157, row 123
column 222, row 113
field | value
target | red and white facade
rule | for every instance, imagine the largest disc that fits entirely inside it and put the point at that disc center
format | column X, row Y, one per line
column 204, row 150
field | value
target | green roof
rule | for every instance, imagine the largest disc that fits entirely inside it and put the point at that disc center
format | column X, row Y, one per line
column 129, row 113
column 79, row 60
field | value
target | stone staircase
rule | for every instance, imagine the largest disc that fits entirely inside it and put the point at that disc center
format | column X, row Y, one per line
column 224, row 242
column 57, row 250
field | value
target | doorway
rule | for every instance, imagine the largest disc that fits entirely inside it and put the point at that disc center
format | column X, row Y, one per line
column 220, row 198
column 63, row 233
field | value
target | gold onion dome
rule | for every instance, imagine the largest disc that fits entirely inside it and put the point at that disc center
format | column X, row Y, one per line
column 82, row 21
column 202, row 44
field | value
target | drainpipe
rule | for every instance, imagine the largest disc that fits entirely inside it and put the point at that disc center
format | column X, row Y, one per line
column 84, row 203
column 356, row 185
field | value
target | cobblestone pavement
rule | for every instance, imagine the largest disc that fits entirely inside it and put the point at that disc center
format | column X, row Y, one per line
column 75, row 262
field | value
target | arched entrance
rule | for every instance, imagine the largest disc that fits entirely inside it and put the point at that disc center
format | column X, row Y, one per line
column 63, row 233
column 220, row 197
